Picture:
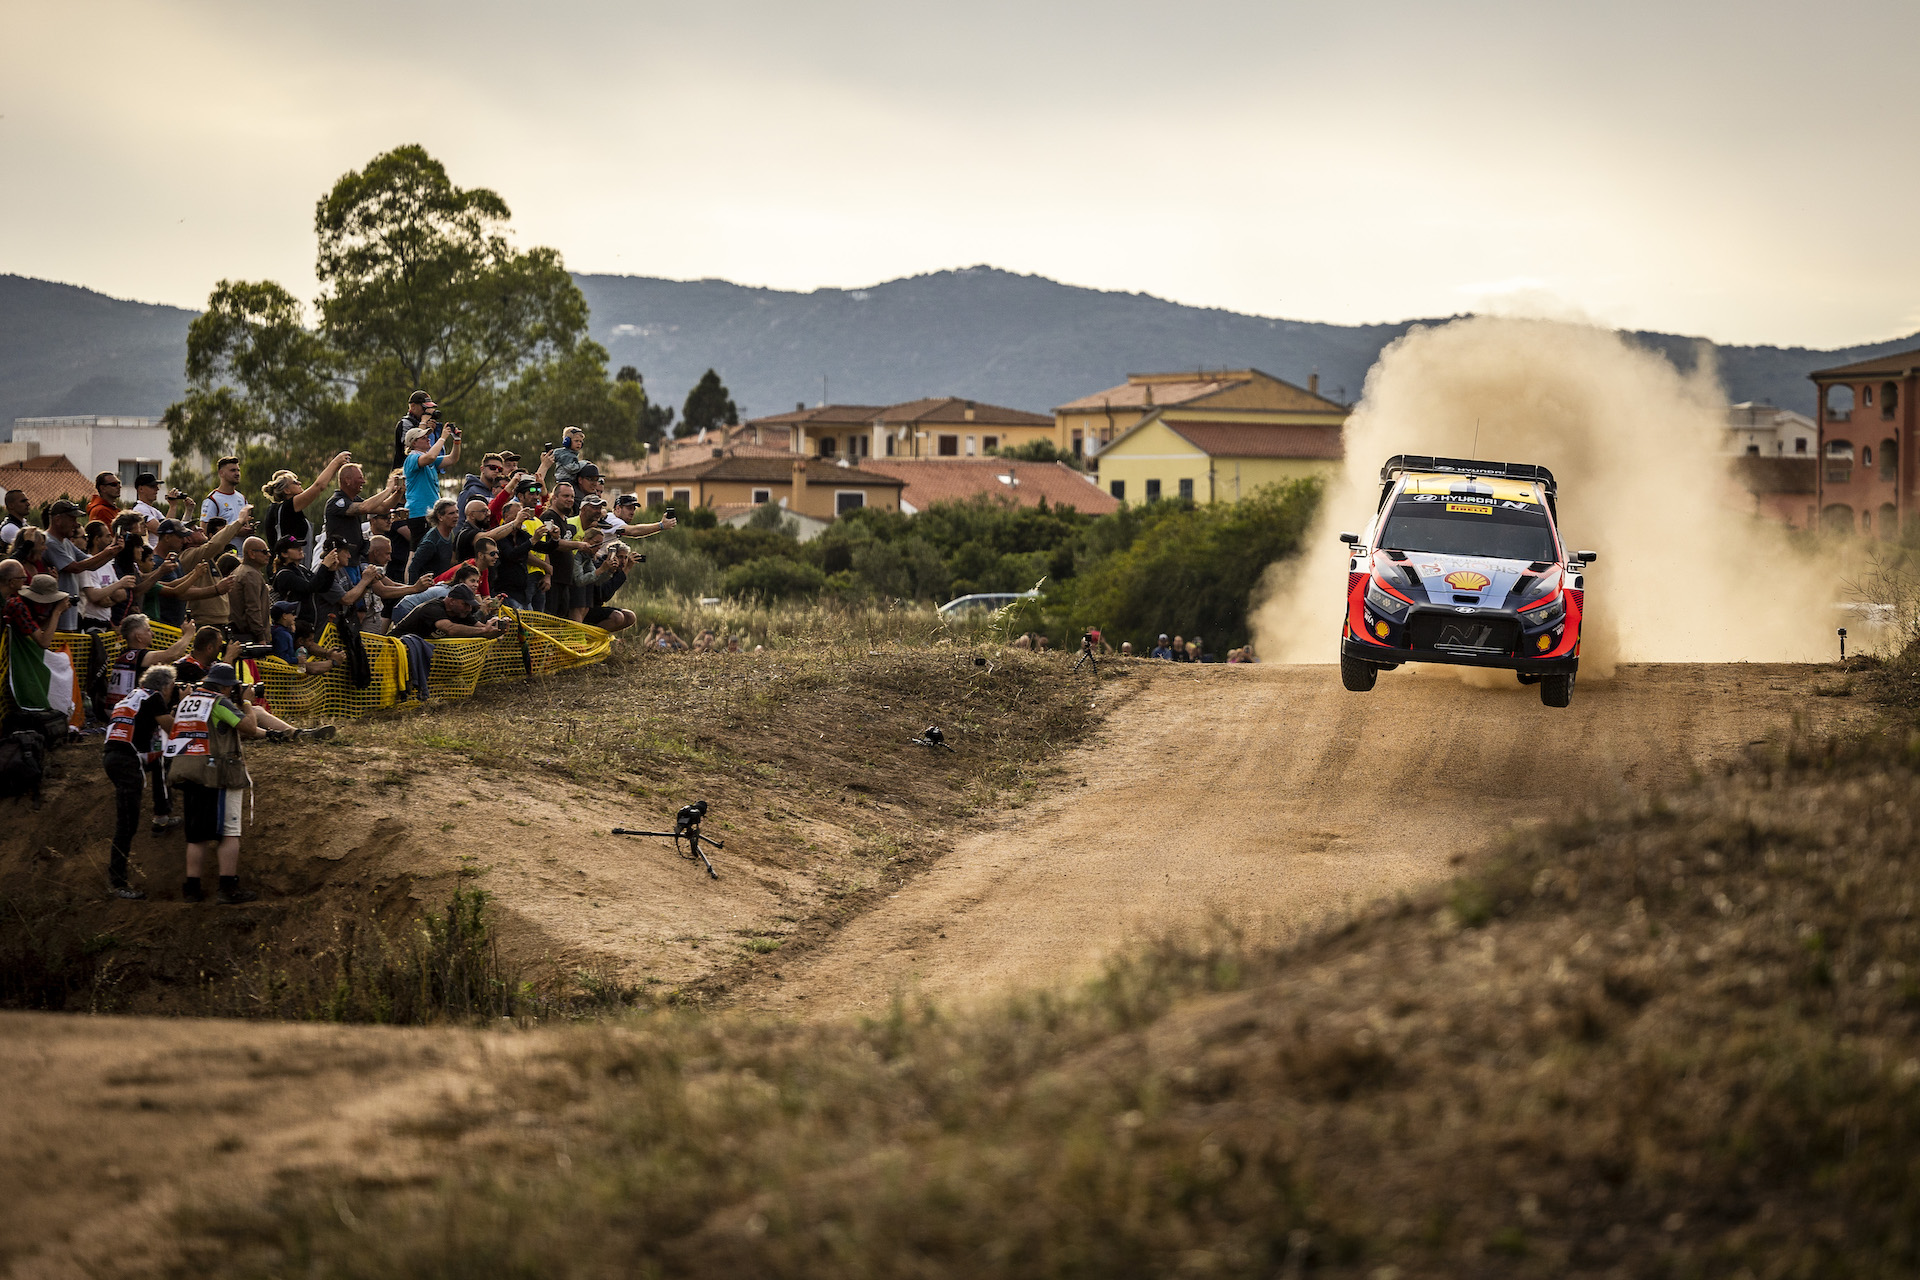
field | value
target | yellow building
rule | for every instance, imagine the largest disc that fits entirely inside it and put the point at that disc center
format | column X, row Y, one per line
column 1164, row 456
column 937, row 427
column 809, row 486
column 1085, row 427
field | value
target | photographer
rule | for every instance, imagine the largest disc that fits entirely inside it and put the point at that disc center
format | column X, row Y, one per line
column 564, row 541
column 212, row 779
column 427, row 458
column 419, row 406
column 610, row 574
column 102, row 587
column 512, row 544
column 130, row 754
column 466, row 573
column 293, row 581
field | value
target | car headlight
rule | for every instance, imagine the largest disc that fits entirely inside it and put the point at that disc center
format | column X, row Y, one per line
column 1537, row 587
column 1546, row 615
column 1382, row 603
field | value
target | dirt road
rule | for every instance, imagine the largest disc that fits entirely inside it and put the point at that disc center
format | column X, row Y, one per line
column 1271, row 796
column 1267, row 794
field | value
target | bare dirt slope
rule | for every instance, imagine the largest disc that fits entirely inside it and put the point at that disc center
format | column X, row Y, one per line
column 1271, row 796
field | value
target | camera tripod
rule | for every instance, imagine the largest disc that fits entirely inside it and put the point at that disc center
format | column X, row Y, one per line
column 1086, row 657
column 686, row 826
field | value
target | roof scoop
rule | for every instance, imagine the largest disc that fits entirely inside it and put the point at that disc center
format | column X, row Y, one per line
column 1470, row 491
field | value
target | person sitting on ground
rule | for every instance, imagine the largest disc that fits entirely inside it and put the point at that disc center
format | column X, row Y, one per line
column 132, row 753
column 284, row 614
column 1162, row 650
column 1180, row 650
column 662, row 637
column 610, row 574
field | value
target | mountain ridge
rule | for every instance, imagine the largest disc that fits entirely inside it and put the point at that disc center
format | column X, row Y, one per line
column 1020, row 340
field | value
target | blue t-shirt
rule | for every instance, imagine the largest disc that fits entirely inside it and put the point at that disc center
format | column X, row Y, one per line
column 423, row 483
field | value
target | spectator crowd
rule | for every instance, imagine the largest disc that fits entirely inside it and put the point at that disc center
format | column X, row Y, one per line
column 245, row 580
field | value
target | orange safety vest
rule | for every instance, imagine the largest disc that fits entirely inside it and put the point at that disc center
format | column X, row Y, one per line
column 192, row 723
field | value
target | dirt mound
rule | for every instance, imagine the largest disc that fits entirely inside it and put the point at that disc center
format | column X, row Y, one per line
column 1672, row 1035
column 822, row 805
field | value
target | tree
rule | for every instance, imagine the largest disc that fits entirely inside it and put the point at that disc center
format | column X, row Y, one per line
column 419, row 271
column 708, row 405
column 420, row 289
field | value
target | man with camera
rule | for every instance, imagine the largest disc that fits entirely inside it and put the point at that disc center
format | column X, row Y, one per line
column 146, row 501
column 211, row 778
column 426, row 459
column 419, row 406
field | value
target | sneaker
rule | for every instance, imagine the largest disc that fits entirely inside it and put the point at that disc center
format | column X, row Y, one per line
column 191, row 892
column 234, row 897
column 128, row 892
column 318, row 733
column 279, row 735
column 164, row 824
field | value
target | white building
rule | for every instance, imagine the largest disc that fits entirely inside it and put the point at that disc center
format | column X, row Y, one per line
column 94, row 443
column 1764, row 431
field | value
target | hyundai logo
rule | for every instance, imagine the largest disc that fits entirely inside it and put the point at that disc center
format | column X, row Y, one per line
column 1461, row 608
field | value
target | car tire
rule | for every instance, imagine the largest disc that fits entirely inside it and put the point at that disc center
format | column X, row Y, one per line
column 1528, row 677
column 1356, row 675
column 1556, row 690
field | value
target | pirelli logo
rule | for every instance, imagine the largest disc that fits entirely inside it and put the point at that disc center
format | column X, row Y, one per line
column 1470, row 508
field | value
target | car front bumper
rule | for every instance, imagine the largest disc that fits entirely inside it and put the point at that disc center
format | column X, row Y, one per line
column 1387, row 656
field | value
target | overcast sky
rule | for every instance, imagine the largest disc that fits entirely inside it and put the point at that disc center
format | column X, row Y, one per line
column 1739, row 170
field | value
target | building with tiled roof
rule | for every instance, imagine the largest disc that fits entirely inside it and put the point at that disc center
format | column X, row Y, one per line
column 45, row 478
column 810, row 486
column 1086, row 426
column 934, row 427
column 1168, row 454
column 1866, row 478
column 1026, row 484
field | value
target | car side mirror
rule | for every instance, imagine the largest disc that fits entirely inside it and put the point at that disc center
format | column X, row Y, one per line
column 1587, row 557
column 1349, row 538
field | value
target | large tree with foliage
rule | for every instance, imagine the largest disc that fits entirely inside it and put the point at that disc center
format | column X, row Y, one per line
column 420, row 288
column 708, row 405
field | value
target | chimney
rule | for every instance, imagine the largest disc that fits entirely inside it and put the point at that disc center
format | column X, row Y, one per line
column 1149, row 395
column 1313, row 383
column 969, row 411
column 799, row 406
column 799, row 483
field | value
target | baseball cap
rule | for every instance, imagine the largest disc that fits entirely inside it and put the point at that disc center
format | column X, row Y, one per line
column 289, row 540
column 463, row 593
column 172, row 529
column 221, row 675
column 146, row 480
column 283, row 606
column 587, row 472
column 627, row 500
column 592, row 500
column 419, row 397
column 415, row 435
column 62, row 508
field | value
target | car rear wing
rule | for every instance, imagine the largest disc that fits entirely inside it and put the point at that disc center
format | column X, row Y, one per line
column 1403, row 463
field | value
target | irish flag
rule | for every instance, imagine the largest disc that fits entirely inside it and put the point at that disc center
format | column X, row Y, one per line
column 38, row 679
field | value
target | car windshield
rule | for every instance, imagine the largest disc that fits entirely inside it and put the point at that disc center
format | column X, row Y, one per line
column 1469, row 528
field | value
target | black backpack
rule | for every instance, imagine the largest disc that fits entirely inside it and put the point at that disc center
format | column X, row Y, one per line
column 49, row 726
column 23, row 764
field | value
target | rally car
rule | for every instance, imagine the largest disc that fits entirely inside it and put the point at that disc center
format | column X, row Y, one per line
column 1462, row 564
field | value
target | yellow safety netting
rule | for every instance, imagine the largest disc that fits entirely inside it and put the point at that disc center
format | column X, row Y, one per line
column 535, row 644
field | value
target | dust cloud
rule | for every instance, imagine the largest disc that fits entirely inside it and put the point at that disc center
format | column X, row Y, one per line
column 1685, row 574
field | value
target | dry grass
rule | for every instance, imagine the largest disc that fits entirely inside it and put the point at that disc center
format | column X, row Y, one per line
column 1677, row 1038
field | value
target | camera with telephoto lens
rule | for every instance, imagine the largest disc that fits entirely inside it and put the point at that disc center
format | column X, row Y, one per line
column 256, row 651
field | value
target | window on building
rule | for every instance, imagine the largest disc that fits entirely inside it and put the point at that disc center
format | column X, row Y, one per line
column 1079, row 445
column 1866, row 456
column 1866, row 522
column 1753, row 450
column 889, row 445
column 1153, row 491
column 1889, row 399
column 970, row 443
column 762, row 496
column 1840, row 449
column 866, row 446
column 1837, row 518
column 826, row 446
column 1889, row 459
column 1118, row 488
column 1866, row 401
column 1186, row 490
column 1889, row 521
column 1839, row 404
column 130, row 469
column 656, row 497
column 845, row 500
column 1800, row 444
column 1839, row 472
column 989, row 443
column 683, row 498
column 949, row 446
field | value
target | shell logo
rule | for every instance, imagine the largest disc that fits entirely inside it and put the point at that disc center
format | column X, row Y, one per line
column 1380, row 629
column 1467, row 580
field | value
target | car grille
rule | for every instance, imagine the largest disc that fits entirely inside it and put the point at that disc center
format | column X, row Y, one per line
column 1463, row 633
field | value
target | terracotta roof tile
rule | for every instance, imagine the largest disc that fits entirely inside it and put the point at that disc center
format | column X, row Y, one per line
column 931, row 480
column 768, row 468
column 944, row 410
column 45, row 478
column 838, row 415
column 1133, row 395
column 1259, row 440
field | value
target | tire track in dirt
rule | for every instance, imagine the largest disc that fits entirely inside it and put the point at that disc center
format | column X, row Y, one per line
column 1271, row 796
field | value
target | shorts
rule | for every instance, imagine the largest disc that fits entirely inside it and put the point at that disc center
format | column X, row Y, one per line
column 582, row 597
column 212, row 814
column 597, row 614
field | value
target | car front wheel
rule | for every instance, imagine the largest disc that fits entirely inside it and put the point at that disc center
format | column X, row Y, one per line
column 1356, row 675
column 1556, row 690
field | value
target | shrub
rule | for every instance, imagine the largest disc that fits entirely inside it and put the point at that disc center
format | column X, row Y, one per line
column 773, row 578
